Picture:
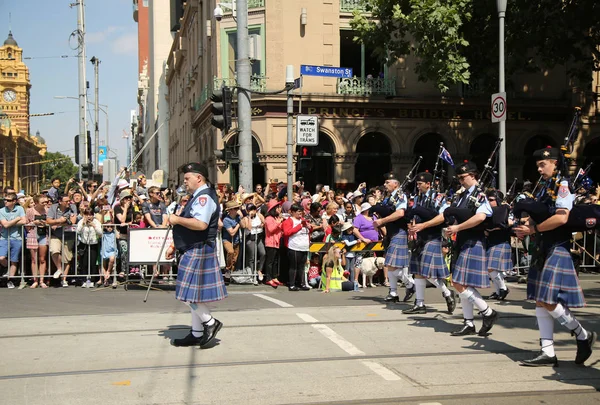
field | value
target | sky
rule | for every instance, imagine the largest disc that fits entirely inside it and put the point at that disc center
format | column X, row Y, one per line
column 42, row 28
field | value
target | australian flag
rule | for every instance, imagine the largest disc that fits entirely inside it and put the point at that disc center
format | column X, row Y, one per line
column 445, row 155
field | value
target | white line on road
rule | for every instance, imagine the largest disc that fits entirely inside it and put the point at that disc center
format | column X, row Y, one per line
column 307, row 318
column 382, row 371
column 349, row 348
column 274, row 300
column 338, row 340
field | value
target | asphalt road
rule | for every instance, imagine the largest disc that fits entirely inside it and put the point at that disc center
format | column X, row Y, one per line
column 78, row 346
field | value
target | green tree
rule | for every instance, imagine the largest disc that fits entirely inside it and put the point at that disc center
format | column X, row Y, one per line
column 58, row 165
column 456, row 41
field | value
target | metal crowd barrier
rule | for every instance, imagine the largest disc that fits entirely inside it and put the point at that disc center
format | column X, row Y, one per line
column 589, row 257
column 74, row 270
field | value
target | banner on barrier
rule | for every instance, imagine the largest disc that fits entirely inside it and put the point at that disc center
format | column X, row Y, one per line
column 145, row 244
column 323, row 247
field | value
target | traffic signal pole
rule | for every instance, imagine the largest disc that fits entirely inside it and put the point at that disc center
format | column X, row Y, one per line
column 244, row 70
column 289, row 81
column 83, row 140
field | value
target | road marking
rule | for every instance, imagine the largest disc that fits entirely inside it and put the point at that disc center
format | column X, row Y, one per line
column 122, row 383
column 307, row 318
column 274, row 300
column 338, row 340
column 382, row 371
column 349, row 348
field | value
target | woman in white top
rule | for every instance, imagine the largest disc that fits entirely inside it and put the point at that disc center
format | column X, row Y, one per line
column 254, row 224
column 296, row 231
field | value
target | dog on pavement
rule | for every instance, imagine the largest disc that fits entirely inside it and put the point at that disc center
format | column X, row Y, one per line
column 368, row 268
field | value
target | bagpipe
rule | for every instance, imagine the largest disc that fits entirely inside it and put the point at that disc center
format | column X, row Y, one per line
column 582, row 217
column 427, row 210
column 386, row 209
column 477, row 196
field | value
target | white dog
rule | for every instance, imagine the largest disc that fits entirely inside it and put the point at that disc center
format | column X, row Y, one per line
column 368, row 268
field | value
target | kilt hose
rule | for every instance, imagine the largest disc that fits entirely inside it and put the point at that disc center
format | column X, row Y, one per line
column 397, row 253
column 499, row 257
column 199, row 278
column 557, row 281
column 429, row 262
column 470, row 267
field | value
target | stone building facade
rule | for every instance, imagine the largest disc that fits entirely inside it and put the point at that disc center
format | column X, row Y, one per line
column 382, row 119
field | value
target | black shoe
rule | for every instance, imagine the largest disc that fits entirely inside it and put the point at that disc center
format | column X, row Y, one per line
column 293, row 288
column 416, row 309
column 451, row 302
column 541, row 360
column 464, row 331
column 494, row 296
column 392, row 298
column 189, row 340
column 502, row 294
column 210, row 332
column 409, row 293
column 488, row 322
column 584, row 348
column 305, row 288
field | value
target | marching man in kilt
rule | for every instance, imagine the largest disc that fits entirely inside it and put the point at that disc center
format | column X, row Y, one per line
column 396, row 257
column 199, row 278
column 499, row 259
column 427, row 261
column 552, row 281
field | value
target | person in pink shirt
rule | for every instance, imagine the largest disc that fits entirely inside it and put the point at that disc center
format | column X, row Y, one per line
column 273, row 233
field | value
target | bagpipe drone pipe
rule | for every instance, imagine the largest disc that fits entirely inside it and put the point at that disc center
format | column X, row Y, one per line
column 583, row 217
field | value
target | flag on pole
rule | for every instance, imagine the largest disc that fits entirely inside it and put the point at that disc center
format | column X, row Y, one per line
column 445, row 155
column 581, row 172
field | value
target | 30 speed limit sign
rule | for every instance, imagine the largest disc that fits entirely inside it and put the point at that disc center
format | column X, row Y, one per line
column 498, row 107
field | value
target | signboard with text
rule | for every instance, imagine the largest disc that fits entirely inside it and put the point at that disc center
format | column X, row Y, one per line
column 325, row 71
column 145, row 244
column 307, row 130
column 499, row 107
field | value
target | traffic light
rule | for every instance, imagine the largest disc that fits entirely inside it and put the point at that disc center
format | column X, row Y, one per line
column 87, row 171
column 222, row 101
column 304, row 158
column 227, row 154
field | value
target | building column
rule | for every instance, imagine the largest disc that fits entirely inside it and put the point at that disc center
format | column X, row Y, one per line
column 345, row 166
column 4, row 164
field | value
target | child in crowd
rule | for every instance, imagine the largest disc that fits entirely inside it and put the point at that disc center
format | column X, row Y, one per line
column 333, row 233
column 349, row 240
column 314, row 270
column 138, row 220
column 108, row 250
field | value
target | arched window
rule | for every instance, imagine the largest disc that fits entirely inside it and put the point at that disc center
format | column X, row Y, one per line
column 374, row 159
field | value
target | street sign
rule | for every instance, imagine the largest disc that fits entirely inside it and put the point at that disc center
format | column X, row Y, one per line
column 298, row 83
column 499, row 107
column 326, row 71
column 307, row 130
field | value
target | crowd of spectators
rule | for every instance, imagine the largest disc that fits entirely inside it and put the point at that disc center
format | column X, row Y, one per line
column 263, row 233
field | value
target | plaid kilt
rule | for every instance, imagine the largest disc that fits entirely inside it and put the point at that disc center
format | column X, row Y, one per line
column 199, row 277
column 397, row 253
column 429, row 263
column 470, row 267
column 499, row 257
column 557, row 282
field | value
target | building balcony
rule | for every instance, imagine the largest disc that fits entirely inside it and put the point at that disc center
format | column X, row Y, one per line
column 348, row 6
column 257, row 83
column 357, row 86
column 202, row 98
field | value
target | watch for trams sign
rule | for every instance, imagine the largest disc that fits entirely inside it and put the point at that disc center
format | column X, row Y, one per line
column 499, row 107
column 307, row 130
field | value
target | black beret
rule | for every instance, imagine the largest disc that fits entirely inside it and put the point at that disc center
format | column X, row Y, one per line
column 391, row 176
column 425, row 177
column 466, row 167
column 547, row 153
column 194, row 167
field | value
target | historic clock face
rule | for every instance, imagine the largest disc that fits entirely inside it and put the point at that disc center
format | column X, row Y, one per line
column 9, row 96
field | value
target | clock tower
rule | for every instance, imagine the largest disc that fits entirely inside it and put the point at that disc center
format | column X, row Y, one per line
column 14, row 84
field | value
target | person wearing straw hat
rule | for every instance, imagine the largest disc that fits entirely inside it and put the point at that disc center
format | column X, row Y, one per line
column 199, row 278
column 231, row 237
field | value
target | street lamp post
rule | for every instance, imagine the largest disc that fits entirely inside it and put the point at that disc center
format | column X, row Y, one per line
column 502, row 128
